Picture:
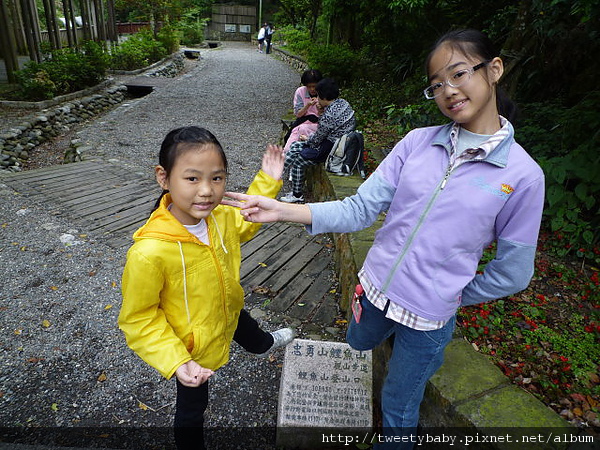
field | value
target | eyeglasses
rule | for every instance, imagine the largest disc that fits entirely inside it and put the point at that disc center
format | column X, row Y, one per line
column 455, row 80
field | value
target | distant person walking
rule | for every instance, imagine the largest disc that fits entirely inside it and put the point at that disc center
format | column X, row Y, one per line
column 262, row 33
column 269, row 36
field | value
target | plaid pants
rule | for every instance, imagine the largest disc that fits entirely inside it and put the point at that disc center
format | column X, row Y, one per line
column 295, row 163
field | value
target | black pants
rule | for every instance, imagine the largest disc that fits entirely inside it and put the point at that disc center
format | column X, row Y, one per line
column 250, row 336
column 193, row 401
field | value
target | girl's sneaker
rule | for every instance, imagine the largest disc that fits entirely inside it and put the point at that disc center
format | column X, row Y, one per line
column 291, row 198
column 281, row 338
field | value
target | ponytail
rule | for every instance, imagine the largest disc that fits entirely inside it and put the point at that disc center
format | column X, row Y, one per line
column 506, row 107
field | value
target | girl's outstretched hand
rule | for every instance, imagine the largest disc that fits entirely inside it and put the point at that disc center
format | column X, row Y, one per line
column 272, row 162
column 256, row 208
column 192, row 374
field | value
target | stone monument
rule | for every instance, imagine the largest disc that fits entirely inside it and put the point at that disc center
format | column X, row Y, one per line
column 326, row 387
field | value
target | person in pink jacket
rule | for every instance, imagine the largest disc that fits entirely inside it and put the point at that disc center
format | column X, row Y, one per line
column 306, row 108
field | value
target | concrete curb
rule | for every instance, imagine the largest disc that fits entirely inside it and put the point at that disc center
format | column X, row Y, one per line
column 468, row 392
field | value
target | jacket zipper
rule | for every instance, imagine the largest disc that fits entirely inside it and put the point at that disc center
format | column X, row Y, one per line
column 411, row 238
column 221, row 282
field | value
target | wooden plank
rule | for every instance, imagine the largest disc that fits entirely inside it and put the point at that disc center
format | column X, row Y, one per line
column 254, row 261
column 293, row 267
column 37, row 173
column 94, row 194
column 288, row 296
column 271, row 256
column 265, row 234
column 102, row 205
column 312, row 297
column 120, row 220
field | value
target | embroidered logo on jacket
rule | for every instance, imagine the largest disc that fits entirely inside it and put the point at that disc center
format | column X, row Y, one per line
column 503, row 192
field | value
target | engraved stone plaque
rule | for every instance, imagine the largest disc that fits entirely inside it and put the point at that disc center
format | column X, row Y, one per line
column 324, row 385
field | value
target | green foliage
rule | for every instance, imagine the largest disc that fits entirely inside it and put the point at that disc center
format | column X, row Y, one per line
column 295, row 40
column 63, row 71
column 137, row 52
column 192, row 27
column 409, row 117
column 168, row 36
column 339, row 62
column 565, row 142
column 35, row 83
column 370, row 99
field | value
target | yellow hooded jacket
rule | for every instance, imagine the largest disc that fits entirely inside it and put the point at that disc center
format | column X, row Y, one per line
column 182, row 298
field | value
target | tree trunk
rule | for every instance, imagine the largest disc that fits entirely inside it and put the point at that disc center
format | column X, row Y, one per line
column 112, row 23
column 518, row 45
column 31, row 29
column 7, row 44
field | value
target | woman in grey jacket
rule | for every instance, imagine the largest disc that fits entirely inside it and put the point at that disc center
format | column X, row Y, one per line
column 449, row 192
column 336, row 120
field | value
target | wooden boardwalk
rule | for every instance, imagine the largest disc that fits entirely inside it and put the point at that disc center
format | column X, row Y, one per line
column 282, row 267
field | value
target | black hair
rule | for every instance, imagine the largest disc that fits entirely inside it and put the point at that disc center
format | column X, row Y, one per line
column 181, row 140
column 311, row 76
column 474, row 42
column 327, row 89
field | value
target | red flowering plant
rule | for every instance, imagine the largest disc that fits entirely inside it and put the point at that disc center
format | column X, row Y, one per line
column 546, row 339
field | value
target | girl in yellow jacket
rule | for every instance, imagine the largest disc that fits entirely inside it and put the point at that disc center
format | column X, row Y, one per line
column 182, row 299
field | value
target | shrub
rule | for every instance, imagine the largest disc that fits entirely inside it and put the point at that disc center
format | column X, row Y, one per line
column 295, row 40
column 168, row 36
column 63, row 71
column 137, row 52
column 565, row 142
column 35, row 83
column 192, row 27
column 336, row 61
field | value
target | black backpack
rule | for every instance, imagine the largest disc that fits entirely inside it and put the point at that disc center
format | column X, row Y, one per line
column 347, row 155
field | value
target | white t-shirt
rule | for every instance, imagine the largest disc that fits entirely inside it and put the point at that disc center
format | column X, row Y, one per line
column 200, row 230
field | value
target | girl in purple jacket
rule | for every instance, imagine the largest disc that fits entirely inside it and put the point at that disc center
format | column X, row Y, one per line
column 449, row 191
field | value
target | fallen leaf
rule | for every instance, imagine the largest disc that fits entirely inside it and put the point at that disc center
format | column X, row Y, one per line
column 114, row 284
column 341, row 321
column 23, row 248
column 102, row 377
column 301, row 304
column 18, row 331
column 54, row 407
column 92, row 273
column 262, row 264
column 261, row 290
column 34, row 360
column 45, row 323
column 54, row 288
column 142, row 406
column 333, row 291
column 107, row 307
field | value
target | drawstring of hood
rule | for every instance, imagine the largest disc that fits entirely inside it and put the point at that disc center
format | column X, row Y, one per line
column 185, row 297
column 219, row 233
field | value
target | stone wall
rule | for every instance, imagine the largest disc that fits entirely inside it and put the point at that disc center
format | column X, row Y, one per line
column 18, row 141
column 60, row 114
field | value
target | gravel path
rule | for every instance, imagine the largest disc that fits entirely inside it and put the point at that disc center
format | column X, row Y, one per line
column 63, row 362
